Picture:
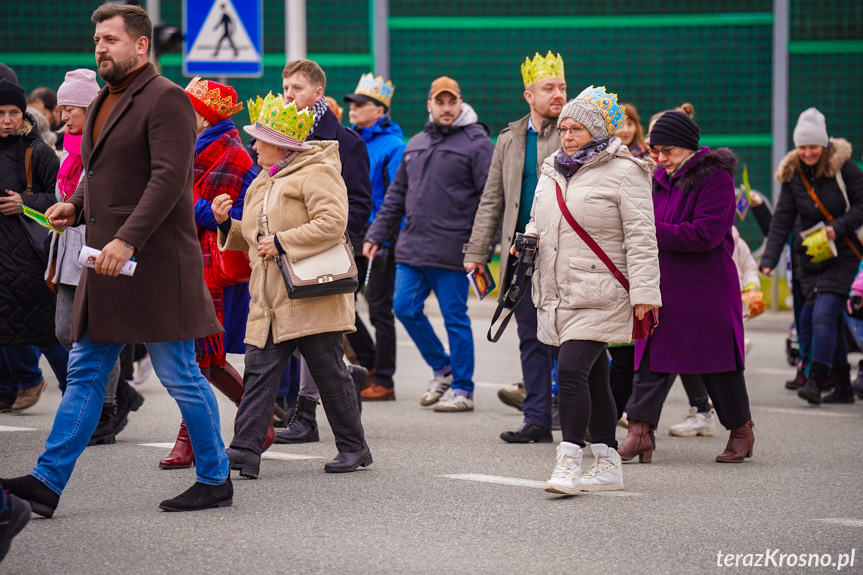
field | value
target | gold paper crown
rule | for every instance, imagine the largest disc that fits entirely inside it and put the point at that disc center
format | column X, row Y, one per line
column 284, row 119
column 541, row 68
column 223, row 106
column 375, row 87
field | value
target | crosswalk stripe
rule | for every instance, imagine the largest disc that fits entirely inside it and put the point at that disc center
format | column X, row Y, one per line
column 13, row 428
column 843, row 521
column 804, row 410
column 266, row 455
column 499, row 480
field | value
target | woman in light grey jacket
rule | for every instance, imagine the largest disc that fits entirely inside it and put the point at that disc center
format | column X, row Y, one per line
column 581, row 306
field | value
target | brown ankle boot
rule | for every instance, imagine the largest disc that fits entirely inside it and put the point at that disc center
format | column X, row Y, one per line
column 182, row 455
column 740, row 444
column 640, row 440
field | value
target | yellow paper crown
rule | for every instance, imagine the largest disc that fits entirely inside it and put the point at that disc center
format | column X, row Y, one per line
column 254, row 107
column 285, row 119
column 542, row 68
column 375, row 87
column 212, row 98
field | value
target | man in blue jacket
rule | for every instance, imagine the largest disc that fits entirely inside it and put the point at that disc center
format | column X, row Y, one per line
column 369, row 107
column 437, row 189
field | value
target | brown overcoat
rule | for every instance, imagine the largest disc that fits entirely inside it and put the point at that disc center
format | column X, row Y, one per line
column 137, row 186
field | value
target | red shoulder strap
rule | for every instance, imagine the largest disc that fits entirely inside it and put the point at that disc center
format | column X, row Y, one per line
column 585, row 237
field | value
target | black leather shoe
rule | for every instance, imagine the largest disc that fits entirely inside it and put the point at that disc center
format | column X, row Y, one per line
column 201, row 496
column 810, row 392
column 12, row 521
column 303, row 427
column 528, row 433
column 246, row 462
column 347, row 462
column 41, row 498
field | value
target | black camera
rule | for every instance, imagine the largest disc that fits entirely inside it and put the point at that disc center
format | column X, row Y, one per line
column 525, row 252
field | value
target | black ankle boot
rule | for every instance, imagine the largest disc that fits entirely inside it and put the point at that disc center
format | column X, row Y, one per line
column 359, row 375
column 811, row 390
column 842, row 392
column 104, row 433
column 128, row 400
column 799, row 380
column 857, row 385
column 303, row 427
column 288, row 409
column 41, row 498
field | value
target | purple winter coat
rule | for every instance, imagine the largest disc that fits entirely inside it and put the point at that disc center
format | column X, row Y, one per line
column 701, row 320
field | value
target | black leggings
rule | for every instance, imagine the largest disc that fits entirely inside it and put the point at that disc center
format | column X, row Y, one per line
column 585, row 394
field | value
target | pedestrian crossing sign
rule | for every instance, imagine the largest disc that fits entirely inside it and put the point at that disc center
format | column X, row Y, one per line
column 223, row 38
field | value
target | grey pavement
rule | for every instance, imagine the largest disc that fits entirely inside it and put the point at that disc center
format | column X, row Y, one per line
column 445, row 495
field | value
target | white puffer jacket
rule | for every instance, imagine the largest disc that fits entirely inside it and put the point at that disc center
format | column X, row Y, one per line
column 576, row 296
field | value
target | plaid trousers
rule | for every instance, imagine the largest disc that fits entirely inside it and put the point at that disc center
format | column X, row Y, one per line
column 264, row 368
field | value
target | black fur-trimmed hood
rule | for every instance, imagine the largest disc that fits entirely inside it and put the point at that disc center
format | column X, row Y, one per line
column 719, row 159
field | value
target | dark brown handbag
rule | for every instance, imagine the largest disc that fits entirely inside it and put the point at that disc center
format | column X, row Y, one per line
column 641, row 328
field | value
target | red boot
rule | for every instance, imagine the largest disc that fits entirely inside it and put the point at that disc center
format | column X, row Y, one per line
column 640, row 440
column 182, row 455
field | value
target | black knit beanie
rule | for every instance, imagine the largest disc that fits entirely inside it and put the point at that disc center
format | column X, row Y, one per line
column 12, row 94
column 675, row 129
column 8, row 73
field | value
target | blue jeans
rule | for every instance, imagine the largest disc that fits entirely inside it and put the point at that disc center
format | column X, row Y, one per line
column 19, row 368
column 412, row 287
column 78, row 414
column 825, row 316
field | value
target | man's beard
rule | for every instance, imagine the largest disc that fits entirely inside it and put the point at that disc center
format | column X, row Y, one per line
column 119, row 70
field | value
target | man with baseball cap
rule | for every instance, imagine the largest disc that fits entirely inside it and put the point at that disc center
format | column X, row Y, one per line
column 437, row 190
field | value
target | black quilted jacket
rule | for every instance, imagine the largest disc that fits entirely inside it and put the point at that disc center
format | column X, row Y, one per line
column 26, row 304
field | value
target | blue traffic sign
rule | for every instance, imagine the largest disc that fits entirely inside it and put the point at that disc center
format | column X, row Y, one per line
column 223, row 38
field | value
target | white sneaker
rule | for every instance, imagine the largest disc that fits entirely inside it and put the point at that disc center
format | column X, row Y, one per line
column 606, row 473
column 694, row 424
column 437, row 387
column 623, row 422
column 566, row 475
column 145, row 370
column 450, row 402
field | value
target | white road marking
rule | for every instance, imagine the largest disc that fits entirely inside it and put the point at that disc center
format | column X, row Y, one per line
column 499, row 480
column 843, row 521
column 768, row 371
column 803, row 410
column 266, row 455
column 491, row 384
column 13, row 428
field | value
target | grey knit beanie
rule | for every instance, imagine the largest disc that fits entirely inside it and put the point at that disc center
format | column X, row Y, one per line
column 811, row 129
column 587, row 115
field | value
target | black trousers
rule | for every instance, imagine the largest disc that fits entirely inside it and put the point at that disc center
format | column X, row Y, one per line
column 378, row 354
column 584, row 393
column 727, row 389
column 264, row 368
column 622, row 374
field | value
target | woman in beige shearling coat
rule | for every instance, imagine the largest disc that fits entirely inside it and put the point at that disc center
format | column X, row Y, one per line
column 581, row 306
column 297, row 207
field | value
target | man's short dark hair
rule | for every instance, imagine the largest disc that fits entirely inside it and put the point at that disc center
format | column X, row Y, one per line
column 135, row 18
column 46, row 95
column 310, row 69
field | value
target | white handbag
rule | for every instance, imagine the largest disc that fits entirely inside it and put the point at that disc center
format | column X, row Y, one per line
column 330, row 272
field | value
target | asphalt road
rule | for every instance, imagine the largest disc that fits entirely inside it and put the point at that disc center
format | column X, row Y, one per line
column 446, row 495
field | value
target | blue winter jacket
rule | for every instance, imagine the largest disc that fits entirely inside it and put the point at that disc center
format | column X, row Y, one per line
column 437, row 189
column 385, row 143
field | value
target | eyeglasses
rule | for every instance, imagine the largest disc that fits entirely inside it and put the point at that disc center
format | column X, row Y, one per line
column 574, row 131
column 665, row 151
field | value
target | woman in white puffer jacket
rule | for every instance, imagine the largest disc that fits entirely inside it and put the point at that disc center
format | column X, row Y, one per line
column 581, row 306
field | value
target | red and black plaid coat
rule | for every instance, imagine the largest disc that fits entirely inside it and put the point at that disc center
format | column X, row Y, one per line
column 219, row 169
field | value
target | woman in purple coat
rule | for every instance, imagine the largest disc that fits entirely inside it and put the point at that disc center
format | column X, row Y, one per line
column 701, row 323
